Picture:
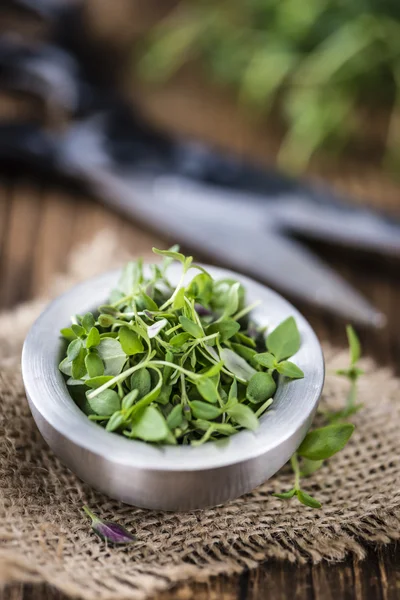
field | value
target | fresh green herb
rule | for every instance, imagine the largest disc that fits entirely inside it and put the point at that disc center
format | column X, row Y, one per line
column 322, row 443
column 179, row 365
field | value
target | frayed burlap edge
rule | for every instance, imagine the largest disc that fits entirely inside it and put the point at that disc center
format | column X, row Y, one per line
column 43, row 541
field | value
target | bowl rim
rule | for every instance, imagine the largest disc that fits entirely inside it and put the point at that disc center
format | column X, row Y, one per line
column 295, row 401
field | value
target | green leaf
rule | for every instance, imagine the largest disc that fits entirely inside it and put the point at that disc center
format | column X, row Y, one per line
column 201, row 288
column 165, row 393
column 224, row 428
column 204, row 410
column 93, row 339
column 244, row 351
column 207, row 389
column 213, row 370
column 129, row 399
column 286, row 495
column 324, row 442
column 78, row 365
column 148, row 302
column 284, row 341
column 244, row 416
column 261, row 387
column 179, row 300
column 170, row 254
column 73, row 349
column 112, row 355
column 68, row 334
column 232, row 301
column 354, row 345
column 266, row 359
column 180, row 339
column 95, row 382
column 141, row 381
column 289, row 369
column 175, row 417
column 308, row 467
column 191, row 327
column 130, row 278
column 78, row 330
column 105, row 403
column 106, row 320
column 150, row 425
column 130, row 341
column 226, row 329
column 65, row 367
column 94, row 365
column 307, row 499
column 116, row 420
column 154, row 330
column 237, row 365
column 233, row 391
column 88, row 321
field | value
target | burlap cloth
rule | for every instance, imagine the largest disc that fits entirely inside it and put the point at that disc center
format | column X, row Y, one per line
column 45, row 537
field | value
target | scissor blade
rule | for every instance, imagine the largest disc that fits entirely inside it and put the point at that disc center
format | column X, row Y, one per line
column 352, row 226
column 284, row 263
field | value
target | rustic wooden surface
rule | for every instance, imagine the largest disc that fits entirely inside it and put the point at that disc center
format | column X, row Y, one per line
column 39, row 224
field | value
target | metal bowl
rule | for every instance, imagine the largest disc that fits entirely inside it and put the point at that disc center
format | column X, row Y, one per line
column 167, row 477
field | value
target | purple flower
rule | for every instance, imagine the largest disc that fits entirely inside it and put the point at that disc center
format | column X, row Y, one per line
column 109, row 531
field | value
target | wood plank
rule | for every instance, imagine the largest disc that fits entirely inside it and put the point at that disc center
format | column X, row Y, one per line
column 21, row 235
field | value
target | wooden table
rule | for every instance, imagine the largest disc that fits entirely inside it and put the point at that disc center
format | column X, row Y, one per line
column 39, row 224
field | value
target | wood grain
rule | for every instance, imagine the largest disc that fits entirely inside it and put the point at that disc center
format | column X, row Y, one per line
column 40, row 224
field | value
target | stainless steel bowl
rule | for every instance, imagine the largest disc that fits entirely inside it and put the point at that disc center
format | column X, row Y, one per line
column 167, row 477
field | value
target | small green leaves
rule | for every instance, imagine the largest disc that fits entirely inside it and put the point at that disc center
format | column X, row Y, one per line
column 112, row 355
column 304, row 498
column 261, row 387
column 244, row 416
column 88, row 322
column 105, row 403
column 73, row 349
column 94, row 365
column 266, row 359
column 354, row 345
column 307, row 500
column 93, row 338
column 324, row 442
column 141, row 381
column 150, row 426
column 175, row 417
column 237, row 365
column 171, row 254
column 226, row 329
column 78, row 365
column 172, row 364
column 286, row 495
column 191, row 327
column 284, row 341
column 204, row 410
column 207, row 390
column 289, row 369
column 130, row 341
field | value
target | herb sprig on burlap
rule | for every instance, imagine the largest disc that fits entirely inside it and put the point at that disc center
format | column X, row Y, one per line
column 176, row 364
column 322, row 443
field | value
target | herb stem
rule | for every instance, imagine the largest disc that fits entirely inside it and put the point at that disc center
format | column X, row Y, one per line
column 87, row 510
column 296, row 470
column 246, row 310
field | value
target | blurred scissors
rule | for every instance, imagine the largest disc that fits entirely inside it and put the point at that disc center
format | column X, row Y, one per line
column 217, row 204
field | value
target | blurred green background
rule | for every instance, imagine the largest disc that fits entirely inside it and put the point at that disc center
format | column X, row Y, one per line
column 325, row 70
